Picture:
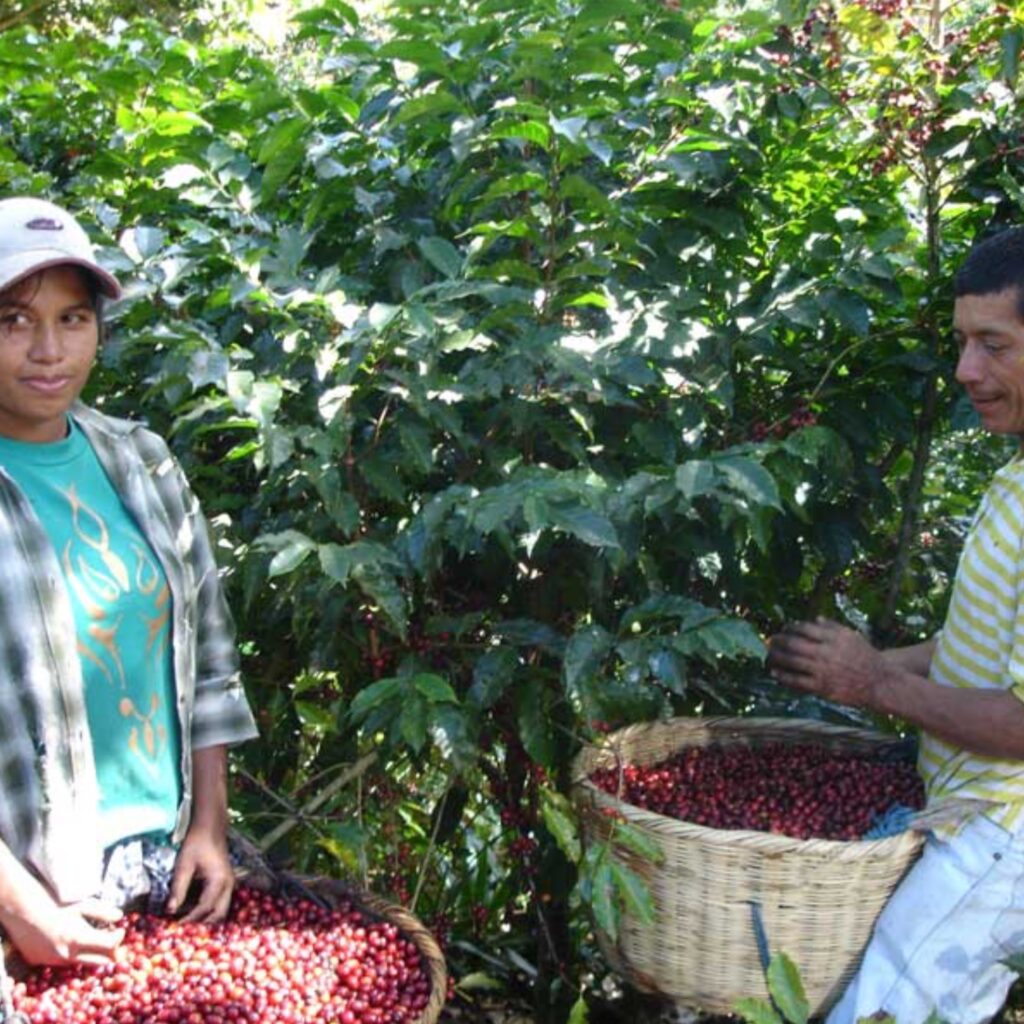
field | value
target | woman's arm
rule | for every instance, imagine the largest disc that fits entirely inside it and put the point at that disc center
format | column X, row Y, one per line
column 45, row 932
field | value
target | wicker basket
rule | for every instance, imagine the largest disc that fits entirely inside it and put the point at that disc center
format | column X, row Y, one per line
column 818, row 899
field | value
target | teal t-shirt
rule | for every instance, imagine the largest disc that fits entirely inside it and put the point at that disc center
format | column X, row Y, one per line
column 122, row 610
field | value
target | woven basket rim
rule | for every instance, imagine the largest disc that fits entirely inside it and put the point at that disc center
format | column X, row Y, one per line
column 767, row 842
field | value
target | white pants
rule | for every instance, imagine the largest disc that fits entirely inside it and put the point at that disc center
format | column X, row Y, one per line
column 938, row 943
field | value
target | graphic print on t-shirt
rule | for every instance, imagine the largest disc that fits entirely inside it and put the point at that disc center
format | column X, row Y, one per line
column 107, row 589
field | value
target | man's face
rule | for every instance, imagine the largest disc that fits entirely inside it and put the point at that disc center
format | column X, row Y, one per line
column 990, row 335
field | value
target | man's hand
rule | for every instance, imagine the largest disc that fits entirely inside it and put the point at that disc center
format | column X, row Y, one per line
column 828, row 660
column 203, row 856
column 66, row 935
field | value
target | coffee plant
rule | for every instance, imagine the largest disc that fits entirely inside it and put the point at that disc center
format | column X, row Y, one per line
column 533, row 362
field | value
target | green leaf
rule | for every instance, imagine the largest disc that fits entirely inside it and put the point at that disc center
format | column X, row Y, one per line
column 851, row 311
column 374, row 696
column 579, row 1013
column 638, row 841
column 281, row 138
column 478, row 981
column 535, row 722
column 757, row 1011
column 436, row 104
column 493, row 672
column 434, row 688
column 450, row 729
column 748, row 478
column 287, row 155
column 585, row 655
column 413, row 721
column 695, row 478
column 528, row 131
column 669, row 669
column 602, row 900
column 419, row 52
column 336, row 561
column 560, row 821
column 530, row 633
column 416, row 440
column 291, row 547
column 787, row 989
column 178, row 122
column 148, row 241
column 729, row 638
column 596, row 299
column 442, row 255
column 634, row 893
column 314, row 717
column 603, row 12
column 584, row 523
column 570, row 128
column 383, row 590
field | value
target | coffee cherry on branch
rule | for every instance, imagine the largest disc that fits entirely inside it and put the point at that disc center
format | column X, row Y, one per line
column 800, row 790
column 273, row 961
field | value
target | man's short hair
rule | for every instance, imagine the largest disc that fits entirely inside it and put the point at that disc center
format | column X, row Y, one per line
column 994, row 265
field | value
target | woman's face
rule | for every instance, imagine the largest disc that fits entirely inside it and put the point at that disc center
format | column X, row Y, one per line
column 48, row 338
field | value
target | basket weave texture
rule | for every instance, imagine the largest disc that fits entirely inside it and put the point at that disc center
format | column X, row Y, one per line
column 818, row 898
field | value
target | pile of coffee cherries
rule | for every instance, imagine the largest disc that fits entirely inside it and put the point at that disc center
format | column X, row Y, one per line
column 801, row 790
column 275, row 961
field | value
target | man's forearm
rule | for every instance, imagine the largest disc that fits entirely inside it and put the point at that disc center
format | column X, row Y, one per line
column 917, row 658
column 986, row 722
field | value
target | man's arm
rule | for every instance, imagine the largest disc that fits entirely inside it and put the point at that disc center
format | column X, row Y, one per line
column 839, row 664
column 917, row 658
column 44, row 931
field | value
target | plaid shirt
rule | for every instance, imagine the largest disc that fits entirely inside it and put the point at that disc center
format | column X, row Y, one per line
column 49, row 797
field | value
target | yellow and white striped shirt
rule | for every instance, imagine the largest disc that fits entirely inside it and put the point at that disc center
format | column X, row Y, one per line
column 981, row 646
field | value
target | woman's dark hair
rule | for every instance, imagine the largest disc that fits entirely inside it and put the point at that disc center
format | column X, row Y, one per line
column 994, row 265
column 25, row 290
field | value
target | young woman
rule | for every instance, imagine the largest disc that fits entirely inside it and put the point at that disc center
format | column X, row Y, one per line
column 119, row 686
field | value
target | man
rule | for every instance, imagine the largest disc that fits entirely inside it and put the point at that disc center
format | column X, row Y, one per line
column 939, row 944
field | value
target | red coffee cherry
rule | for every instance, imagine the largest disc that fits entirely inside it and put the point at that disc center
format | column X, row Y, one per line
column 291, row 962
column 801, row 790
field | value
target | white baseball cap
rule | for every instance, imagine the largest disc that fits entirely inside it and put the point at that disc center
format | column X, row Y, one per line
column 36, row 234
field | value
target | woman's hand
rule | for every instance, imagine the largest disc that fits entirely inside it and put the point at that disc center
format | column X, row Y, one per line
column 204, row 857
column 65, row 935
column 828, row 660
column 204, row 852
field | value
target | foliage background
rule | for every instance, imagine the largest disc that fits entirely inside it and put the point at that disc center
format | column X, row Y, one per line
column 533, row 361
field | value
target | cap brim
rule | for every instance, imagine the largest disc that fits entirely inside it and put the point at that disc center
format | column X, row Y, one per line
column 17, row 268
